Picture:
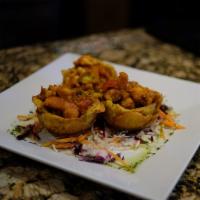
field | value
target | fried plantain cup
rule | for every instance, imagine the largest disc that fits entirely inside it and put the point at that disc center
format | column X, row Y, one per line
column 60, row 117
column 129, row 119
column 128, row 105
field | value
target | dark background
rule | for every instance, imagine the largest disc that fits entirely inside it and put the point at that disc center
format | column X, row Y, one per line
column 30, row 21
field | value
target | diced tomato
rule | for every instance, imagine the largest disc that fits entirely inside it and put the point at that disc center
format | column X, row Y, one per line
column 110, row 84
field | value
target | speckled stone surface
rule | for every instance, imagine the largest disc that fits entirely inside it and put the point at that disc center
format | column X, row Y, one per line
column 21, row 178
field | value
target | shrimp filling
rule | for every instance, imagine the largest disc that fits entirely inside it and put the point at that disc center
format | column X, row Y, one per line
column 65, row 102
column 129, row 95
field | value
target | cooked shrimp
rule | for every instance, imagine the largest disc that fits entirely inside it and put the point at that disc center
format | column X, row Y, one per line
column 86, row 60
column 122, row 80
column 68, row 109
column 113, row 94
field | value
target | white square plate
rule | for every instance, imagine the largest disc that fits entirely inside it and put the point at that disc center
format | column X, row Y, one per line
column 156, row 176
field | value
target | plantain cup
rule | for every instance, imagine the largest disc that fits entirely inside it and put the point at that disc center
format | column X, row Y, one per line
column 59, row 125
column 129, row 119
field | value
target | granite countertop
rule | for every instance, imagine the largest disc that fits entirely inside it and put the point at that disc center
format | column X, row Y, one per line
column 21, row 178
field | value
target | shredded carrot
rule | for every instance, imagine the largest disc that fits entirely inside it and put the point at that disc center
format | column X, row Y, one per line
column 179, row 126
column 68, row 140
column 117, row 158
column 63, row 145
column 169, row 121
column 64, row 140
column 165, row 116
column 84, row 136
